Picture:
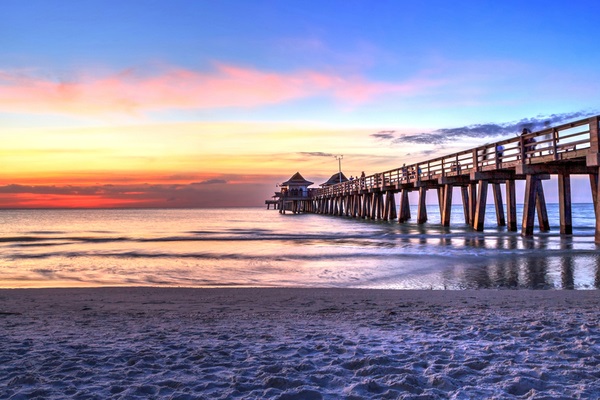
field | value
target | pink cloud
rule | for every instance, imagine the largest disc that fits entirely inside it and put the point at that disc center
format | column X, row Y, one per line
column 226, row 86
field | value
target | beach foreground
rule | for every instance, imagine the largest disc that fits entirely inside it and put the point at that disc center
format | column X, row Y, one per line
column 298, row 343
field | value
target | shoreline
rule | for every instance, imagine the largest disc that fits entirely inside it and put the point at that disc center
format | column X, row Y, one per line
column 282, row 343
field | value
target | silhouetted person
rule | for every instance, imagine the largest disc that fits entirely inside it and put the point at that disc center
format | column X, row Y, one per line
column 528, row 142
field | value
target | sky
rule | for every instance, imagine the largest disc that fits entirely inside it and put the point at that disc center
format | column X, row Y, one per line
column 172, row 103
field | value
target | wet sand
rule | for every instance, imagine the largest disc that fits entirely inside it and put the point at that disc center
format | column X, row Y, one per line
column 298, row 343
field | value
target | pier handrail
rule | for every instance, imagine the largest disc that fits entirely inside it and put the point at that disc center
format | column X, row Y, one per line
column 571, row 140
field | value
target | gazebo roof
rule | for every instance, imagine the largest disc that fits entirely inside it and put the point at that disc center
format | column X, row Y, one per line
column 297, row 180
column 335, row 178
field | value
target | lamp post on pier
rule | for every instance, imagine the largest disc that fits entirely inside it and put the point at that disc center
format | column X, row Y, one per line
column 339, row 158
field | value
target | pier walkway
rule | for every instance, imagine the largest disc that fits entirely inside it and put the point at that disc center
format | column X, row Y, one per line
column 565, row 150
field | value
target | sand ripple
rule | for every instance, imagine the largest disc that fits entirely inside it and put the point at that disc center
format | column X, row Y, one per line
column 297, row 344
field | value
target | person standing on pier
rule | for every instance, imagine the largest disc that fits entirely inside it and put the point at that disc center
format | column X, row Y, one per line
column 528, row 142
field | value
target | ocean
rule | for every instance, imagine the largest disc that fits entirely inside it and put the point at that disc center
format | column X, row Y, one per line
column 255, row 247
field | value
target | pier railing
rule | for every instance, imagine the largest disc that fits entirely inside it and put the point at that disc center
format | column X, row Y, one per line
column 563, row 142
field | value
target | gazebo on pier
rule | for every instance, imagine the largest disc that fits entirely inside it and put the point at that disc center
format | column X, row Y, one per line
column 293, row 192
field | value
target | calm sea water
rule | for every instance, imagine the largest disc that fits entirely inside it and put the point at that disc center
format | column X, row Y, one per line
column 258, row 247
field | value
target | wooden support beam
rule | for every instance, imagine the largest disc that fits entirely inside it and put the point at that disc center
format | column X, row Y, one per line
column 386, row 206
column 498, row 203
column 379, row 198
column 404, row 207
column 552, row 169
column 440, row 195
column 472, row 203
column 347, row 198
column 531, row 183
column 542, row 211
column 422, row 209
column 594, row 187
column 511, row 205
column 392, row 214
column 464, row 191
column 595, row 192
column 447, row 205
column 454, row 180
column 564, row 204
column 374, row 203
column 481, row 203
column 491, row 175
column 365, row 206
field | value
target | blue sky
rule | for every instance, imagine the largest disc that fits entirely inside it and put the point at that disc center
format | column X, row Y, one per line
column 289, row 77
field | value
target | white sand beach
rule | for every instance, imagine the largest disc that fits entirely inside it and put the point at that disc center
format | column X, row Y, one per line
column 298, row 344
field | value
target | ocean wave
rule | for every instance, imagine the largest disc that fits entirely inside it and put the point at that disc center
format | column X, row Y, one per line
column 465, row 253
column 268, row 235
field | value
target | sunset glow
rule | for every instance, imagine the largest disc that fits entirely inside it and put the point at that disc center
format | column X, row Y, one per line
column 206, row 104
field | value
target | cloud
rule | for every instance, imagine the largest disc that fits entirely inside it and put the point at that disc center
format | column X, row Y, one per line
column 132, row 91
column 211, row 182
column 491, row 130
column 383, row 135
column 316, row 154
column 134, row 195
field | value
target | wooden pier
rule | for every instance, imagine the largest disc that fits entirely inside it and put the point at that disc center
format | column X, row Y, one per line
column 565, row 150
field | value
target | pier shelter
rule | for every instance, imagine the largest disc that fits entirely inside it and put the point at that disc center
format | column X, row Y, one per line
column 563, row 151
column 336, row 178
column 294, row 194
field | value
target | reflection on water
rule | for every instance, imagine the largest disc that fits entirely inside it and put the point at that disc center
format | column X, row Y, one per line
column 255, row 247
column 540, row 262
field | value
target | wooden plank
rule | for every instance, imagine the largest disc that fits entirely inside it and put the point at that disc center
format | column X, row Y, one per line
column 481, row 203
column 498, row 203
column 511, row 205
column 422, row 209
column 564, row 204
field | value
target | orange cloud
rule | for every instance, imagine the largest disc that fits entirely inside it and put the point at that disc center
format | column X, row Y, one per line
column 209, row 193
column 45, row 200
column 226, row 86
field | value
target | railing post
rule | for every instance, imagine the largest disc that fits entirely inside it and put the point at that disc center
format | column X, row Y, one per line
column 554, row 143
column 593, row 157
column 594, row 135
column 457, row 165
